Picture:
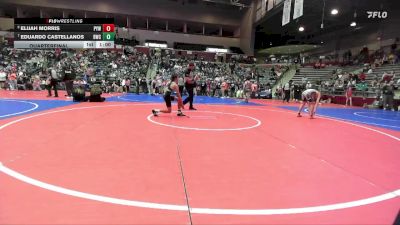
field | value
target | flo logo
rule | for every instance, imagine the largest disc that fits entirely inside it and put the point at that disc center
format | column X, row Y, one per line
column 377, row 14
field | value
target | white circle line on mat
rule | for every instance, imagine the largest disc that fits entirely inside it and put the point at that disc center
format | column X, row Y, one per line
column 337, row 119
column 372, row 117
column 350, row 122
column 139, row 101
column 258, row 123
column 35, row 106
column 162, row 101
column 152, row 205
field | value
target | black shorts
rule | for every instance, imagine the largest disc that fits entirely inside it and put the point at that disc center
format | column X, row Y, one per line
column 190, row 86
column 306, row 99
column 168, row 99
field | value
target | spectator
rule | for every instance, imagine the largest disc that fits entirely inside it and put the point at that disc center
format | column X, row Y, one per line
column 203, row 88
column 122, row 82
column 345, row 77
column 349, row 95
column 279, row 91
column 3, row 79
column 362, row 76
column 224, row 87
column 286, row 92
column 127, row 85
column 370, row 71
column 95, row 94
column 247, row 89
column 387, row 77
column 78, row 91
column 12, row 81
column 388, row 94
column 22, row 83
column 297, row 92
column 304, row 80
column 217, row 90
column 137, row 84
column 114, row 87
column 233, row 89
column 53, row 82
column 254, row 89
column 309, row 85
column 363, row 87
column 36, row 83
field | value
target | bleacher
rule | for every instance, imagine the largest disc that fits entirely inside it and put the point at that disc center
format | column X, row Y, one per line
column 313, row 75
column 352, row 69
column 325, row 74
column 379, row 71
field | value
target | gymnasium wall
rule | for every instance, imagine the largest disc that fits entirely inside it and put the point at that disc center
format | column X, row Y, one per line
column 375, row 37
column 151, row 8
column 170, row 38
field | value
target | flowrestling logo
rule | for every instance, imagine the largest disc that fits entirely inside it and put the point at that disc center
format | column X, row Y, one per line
column 377, row 14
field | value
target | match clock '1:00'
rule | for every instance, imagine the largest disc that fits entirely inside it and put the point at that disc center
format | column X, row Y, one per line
column 104, row 44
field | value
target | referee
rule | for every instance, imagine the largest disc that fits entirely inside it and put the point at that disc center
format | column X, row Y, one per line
column 190, row 84
column 69, row 77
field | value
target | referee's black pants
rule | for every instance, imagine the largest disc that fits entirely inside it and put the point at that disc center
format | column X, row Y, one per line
column 287, row 95
column 69, row 85
column 189, row 99
column 53, row 84
column 181, row 90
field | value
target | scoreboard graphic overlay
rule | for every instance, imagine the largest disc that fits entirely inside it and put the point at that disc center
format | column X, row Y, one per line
column 42, row 33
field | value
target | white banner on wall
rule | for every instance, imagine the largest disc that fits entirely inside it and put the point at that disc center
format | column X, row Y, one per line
column 286, row 12
column 298, row 8
column 263, row 6
column 270, row 5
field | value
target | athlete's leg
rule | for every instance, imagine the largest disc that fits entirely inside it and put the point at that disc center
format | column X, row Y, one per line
column 303, row 103
column 167, row 100
column 311, row 107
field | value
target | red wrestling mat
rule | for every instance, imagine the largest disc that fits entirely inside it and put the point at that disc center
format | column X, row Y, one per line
column 117, row 164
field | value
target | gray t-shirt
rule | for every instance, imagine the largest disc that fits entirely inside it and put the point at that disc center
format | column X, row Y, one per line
column 286, row 87
column 181, row 81
column 53, row 73
column 309, row 95
column 3, row 76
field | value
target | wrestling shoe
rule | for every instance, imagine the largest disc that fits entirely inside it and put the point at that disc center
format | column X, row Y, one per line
column 192, row 108
column 155, row 112
column 180, row 113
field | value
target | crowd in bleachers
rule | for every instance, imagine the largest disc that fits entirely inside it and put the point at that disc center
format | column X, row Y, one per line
column 366, row 83
column 215, row 78
column 130, row 70
column 31, row 69
column 368, row 74
column 127, row 70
